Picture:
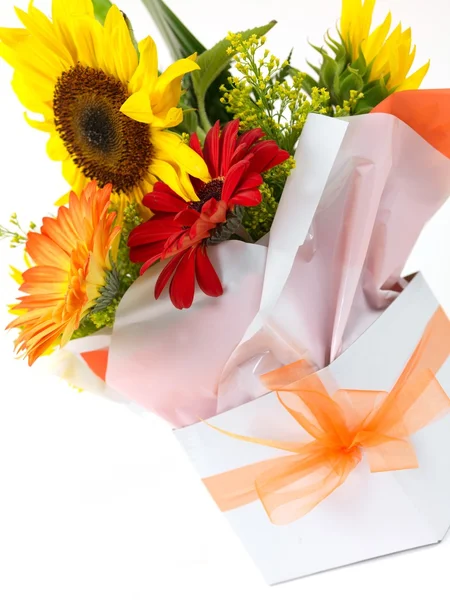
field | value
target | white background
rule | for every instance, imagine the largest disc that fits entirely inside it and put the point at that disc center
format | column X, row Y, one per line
column 98, row 503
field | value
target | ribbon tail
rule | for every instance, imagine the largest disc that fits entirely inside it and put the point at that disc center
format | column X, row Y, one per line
column 288, row 487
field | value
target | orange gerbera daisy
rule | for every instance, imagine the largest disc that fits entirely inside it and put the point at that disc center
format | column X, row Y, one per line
column 71, row 255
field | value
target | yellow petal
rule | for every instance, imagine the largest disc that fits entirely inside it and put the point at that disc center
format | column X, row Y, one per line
column 63, row 200
column 167, row 91
column 168, row 120
column 122, row 58
column 46, row 126
column 56, row 149
column 414, row 81
column 89, row 38
column 146, row 73
column 349, row 9
column 65, row 9
column 16, row 274
column 372, row 46
column 13, row 37
column 138, row 107
column 43, row 30
column 168, row 174
column 174, row 149
column 34, row 93
column 366, row 18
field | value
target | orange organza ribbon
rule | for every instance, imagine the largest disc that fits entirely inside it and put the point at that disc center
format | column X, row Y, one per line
column 342, row 425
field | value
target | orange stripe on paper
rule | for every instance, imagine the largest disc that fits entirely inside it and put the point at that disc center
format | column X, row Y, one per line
column 97, row 361
column 425, row 111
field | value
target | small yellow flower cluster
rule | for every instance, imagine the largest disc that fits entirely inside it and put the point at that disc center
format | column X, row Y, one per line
column 348, row 106
column 268, row 93
column 258, row 220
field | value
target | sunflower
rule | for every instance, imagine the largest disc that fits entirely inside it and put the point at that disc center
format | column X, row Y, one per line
column 391, row 56
column 364, row 66
column 182, row 232
column 71, row 257
column 103, row 103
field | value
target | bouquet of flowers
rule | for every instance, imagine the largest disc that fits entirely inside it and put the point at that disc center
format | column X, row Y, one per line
column 230, row 256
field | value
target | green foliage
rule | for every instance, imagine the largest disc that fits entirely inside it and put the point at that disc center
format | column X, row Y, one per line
column 213, row 62
column 101, row 8
column 346, row 79
column 180, row 41
column 258, row 220
column 269, row 94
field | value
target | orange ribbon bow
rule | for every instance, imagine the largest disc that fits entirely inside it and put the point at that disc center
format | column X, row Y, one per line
column 342, row 425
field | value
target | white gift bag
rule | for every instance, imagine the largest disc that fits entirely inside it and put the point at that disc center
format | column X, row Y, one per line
column 371, row 514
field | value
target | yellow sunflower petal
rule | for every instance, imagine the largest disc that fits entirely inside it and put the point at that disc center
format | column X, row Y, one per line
column 167, row 91
column 168, row 120
column 164, row 171
column 123, row 60
column 90, row 47
column 175, row 150
column 414, row 81
column 138, row 107
column 146, row 74
column 41, row 27
column 366, row 18
column 372, row 46
column 46, row 126
column 56, row 149
column 33, row 92
column 16, row 274
column 65, row 9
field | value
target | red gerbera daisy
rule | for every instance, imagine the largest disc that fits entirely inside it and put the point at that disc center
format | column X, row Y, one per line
column 182, row 231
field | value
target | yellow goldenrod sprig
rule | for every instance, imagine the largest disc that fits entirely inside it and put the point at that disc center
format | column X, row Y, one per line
column 17, row 237
column 267, row 93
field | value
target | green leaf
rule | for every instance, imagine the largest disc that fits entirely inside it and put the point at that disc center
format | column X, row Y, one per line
column 329, row 71
column 372, row 97
column 101, row 8
column 351, row 82
column 180, row 40
column 212, row 63
column 190, row 122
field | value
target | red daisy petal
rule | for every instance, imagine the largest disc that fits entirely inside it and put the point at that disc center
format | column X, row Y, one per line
column 207, row 278
column 164, row 200
column 182, row 286
column 228, row 141
column 152, row 231
column 146, row 252
column 149, row 263
column 263, row 154
column 279, row 158
column 211, row 149
column 251, row 137
column 233, row 179
column 248, row 198
column 166, row 274
column 252, row 180
column 194, row 143
column 187, row 217
column 242, row 151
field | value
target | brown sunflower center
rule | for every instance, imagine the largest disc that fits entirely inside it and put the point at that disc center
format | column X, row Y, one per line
column 212, row 189
column 104, row 143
